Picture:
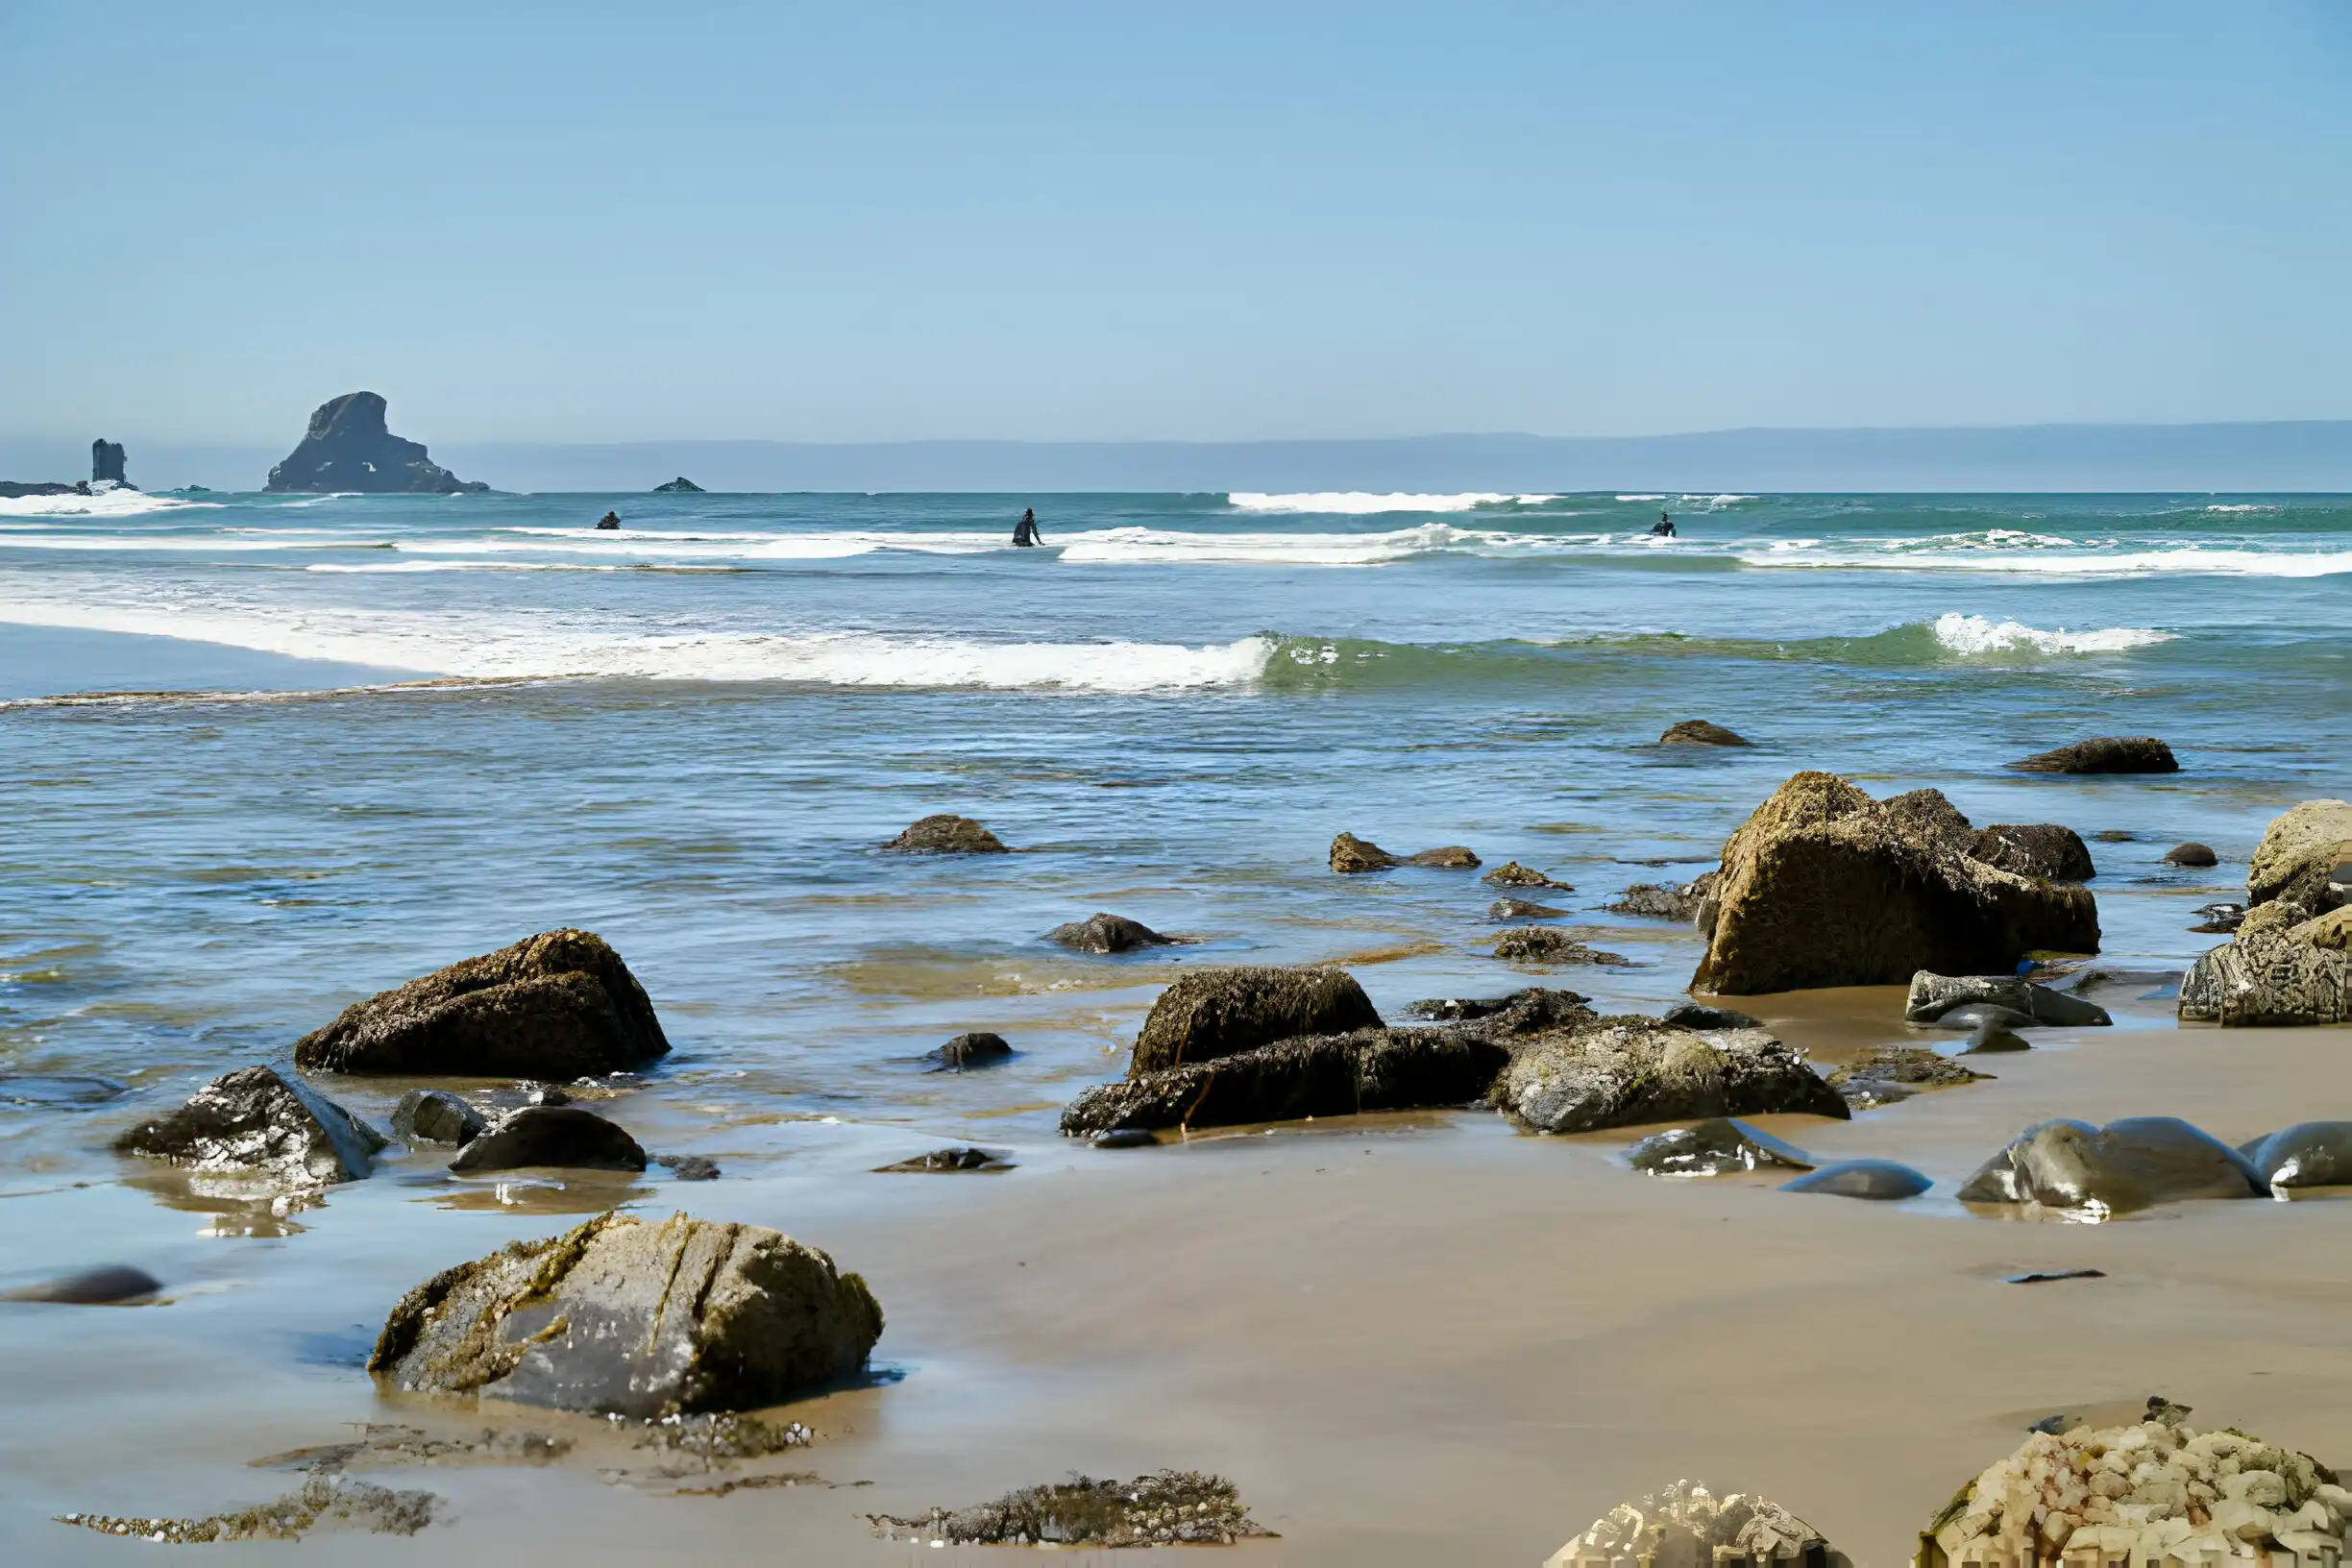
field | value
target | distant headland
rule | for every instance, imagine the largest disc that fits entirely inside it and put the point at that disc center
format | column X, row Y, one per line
column 349, row 448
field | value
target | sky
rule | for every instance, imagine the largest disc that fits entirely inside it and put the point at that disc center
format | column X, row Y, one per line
column 1201, row 221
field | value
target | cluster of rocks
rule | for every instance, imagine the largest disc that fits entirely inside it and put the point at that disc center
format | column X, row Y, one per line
column 2288, row 961
column 1350, row 856
column 2075, row 1169
column 1173, row 1508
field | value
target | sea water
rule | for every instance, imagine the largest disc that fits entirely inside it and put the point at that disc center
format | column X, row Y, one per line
column 384, row 733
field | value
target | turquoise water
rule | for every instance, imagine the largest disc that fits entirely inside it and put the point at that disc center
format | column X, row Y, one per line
column 690, row 733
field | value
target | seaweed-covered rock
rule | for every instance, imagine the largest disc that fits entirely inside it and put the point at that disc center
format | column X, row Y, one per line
column 1173, row 1508
column 1700, row 732
column 2104, row 754
column 1823, row 886
column 2035, row 849
column 1877, row 1181
column 1542, row 945
column 1933, row 995
column 1929, row 814
column 946, row 834
column 1626, row 1071
column 1693, row 1015
column 1896, row 1073
column 1321, row 1075
column 558, row 1135
column 1218, row 1011
column 2299, row 852
column 2308, row 1154
column 1657, row 901
column 255, row 1121
column 1351, row 855
column 1512, row 874
column 436, row 1116
column 1686, row 1526
column 560, row 1005
column 623, row 1318
column 2270, row 973
column 1714, row 1147
column 2132, row 1163
column 2192, row 855
column 1102, row 933
column 1556, row 1007
column 965, row 1052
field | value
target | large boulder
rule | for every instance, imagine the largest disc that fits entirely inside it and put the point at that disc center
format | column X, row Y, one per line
column 620, row 1317
column 2128, row 1165
column 1220, row 1012
column 1824, row 886
column 558, row 1135
column 1351, row 855
column 1626, row 1071
column 558, row 1005
column 1323, row 1075
column 1686, row 1526
column 2298, row 852
column 2104, row 754
column 259, row 1122
column 944, row 833
column 1104, row 933
column 2035, row 849
column 348, row 448
column 2272, row 972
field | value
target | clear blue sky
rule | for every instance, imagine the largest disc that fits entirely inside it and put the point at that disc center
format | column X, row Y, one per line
column 1203, row 220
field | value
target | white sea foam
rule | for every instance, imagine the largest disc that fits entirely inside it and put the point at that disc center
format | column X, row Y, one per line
column 2075, row 562
column 1364, row 504
column 1641, row 498
column 2242, row 507
column 1974, row 634
column 491, row 647
column 117, row 503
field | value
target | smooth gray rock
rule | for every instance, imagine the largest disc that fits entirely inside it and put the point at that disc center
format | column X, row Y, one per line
column 965, row 1052
column 1994, row 1036
column 436, row 1116
column 1932, row 996
column 1974, row 1015
column 348, row 448
column 2128, row 1165
column 2308, row 1154
column 1718, row 1146
column 561, row 1136
column 59, row 1090
column 1882, row 1181
column 1626, row 1071
column 1104, row 933
column 627, row 1319
column 1126, row 1138
column 108, row 1285
column 254, row 1121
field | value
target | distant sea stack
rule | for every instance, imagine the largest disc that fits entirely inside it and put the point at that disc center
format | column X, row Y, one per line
column 348, row 448
column 107, row 463
column 681, row 485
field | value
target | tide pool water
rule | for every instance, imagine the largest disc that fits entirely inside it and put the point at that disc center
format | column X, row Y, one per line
column 426, row 726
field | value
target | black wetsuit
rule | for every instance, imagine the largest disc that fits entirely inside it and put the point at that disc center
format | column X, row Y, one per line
column 1025, row 532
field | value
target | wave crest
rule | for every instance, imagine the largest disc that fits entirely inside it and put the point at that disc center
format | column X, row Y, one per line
column 1365, row 503
column 1974, row 636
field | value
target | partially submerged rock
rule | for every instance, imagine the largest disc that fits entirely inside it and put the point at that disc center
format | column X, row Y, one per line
column 689, row 1167
column 111, row 1285
column 2298, row 852
column 1994, row 1036
column 2308, row 1154
column 1694, row 1015
column 1700, row 732
column 1462, row 1009
column 1104, row 933
column 1877, row 1181
column 946, row 834
column 2132, row 1163
column 1218, row 1011
column 965, row 1052
column 945, row 1162
column 1686, row 1526
column 59, row 1090
column 1657, row 901
column 1718, row 1146
column 1451, row 857
column 559, row 1136
column 1896, row 1072
column 623, row 1318
column 254, row 1121
column 327, row 1501
column 1543, row 945
column 2104, row 754
column 1320, row 1075
column 2150, row 1491
column 1974, row 1017
column 436, row 1116
column 1351, row 855
column 1512, row 874
column 1626, row 1071
column 2191, row 854
column 560, row 1005
column 1173, row 1508
column 1522, row 909
column 1933, row 995
column 2270, row 972
column 1823, row 886
column 2035, row 849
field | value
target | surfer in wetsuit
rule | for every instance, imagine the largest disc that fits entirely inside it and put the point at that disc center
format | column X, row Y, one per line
column 610, row 520
column 1663, row 527
column 1025, row 532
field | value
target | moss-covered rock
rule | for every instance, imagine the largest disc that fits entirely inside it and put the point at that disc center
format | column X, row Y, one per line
column 1220, row 1012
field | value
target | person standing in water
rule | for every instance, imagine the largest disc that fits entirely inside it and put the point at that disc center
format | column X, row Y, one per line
column 1025, row 532
column 1663, row 527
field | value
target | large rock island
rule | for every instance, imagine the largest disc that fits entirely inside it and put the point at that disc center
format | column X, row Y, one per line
column 348, row 448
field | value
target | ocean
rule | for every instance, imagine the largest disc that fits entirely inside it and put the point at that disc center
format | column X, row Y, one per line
column 375, row 734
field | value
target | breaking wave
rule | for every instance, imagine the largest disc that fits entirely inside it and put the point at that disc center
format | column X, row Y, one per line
column 1364, row 504
column 120, row 502
column 1968, row 635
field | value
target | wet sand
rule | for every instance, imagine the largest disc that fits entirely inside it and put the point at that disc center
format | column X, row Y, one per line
column 1408, row 1339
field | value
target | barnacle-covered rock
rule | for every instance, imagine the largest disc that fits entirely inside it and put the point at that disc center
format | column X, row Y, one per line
column 1684, row 1524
